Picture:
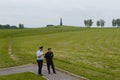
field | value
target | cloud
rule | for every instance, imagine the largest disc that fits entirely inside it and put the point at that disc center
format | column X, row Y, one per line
column 35, row 13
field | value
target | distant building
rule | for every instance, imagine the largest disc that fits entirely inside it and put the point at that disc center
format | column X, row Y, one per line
column 50, row 25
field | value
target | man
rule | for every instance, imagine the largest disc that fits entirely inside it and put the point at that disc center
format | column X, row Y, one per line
column 49, row 59
column 40, row 57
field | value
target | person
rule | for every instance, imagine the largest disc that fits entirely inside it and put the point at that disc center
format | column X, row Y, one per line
column 49, row 59
column 40, row 57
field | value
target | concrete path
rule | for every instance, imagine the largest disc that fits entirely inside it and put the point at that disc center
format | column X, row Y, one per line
column 33, row 68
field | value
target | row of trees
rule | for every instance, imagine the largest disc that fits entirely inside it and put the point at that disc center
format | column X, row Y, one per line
column 116, row 22
column 7, row 26
column 101, row 23
column 88, row 22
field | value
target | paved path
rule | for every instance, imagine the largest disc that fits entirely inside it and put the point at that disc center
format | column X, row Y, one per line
column 33, row 68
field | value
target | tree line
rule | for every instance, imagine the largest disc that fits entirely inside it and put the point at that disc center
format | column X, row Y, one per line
column 116, row 22
column 101, row 23
column 8, row 26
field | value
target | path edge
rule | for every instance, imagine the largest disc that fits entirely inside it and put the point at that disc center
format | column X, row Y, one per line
column 67, row 72
column 59, row 69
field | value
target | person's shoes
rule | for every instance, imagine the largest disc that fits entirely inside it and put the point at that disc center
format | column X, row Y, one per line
column 54, row 72
column 48, row 72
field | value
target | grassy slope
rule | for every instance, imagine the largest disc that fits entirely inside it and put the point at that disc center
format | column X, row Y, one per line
column 35, row 31
column 22, row 76
column 6, row 36
column 93, row 53
column 5, row 59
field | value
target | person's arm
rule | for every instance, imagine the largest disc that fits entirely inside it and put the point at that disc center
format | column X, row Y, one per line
column 52, row 54
column 39, row 55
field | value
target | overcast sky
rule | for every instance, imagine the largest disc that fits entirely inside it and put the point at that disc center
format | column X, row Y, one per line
column 38, row 13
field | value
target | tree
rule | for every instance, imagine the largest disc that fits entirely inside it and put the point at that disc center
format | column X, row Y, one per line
column 0, row 26
column 98, row 23
column 85, row 22
column 7, row 26
column 21, row 26
column 114, row 23
column 118, row 22
column 102, row 22
column 13, row 27
column 88, row 22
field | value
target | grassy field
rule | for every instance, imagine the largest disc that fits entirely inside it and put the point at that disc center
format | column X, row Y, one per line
column 90, row 52
column 22, row 76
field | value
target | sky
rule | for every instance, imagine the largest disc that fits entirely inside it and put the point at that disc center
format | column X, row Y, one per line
column 39, row 13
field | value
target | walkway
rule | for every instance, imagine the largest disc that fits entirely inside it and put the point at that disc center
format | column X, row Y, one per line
column 33, row 68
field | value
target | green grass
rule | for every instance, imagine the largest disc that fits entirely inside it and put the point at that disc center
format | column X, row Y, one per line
column 22, row 76
column 92, row 53
column 5, row 59
column 36, row 31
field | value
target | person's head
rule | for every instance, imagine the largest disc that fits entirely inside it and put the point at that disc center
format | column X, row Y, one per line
column 49, row 49
column 41, row 48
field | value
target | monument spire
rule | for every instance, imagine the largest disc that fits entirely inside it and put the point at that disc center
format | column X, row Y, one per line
column 61, row 22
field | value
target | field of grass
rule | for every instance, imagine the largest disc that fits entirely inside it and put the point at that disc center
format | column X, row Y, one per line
column 89, row 52
column 22, row 76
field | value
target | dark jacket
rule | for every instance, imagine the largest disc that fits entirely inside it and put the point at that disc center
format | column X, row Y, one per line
column 49, row 56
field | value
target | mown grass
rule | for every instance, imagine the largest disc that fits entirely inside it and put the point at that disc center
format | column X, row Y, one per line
column 5, row 59
column 22, row 76
column 92, row 53
column 36, row 31
column 8, row 34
